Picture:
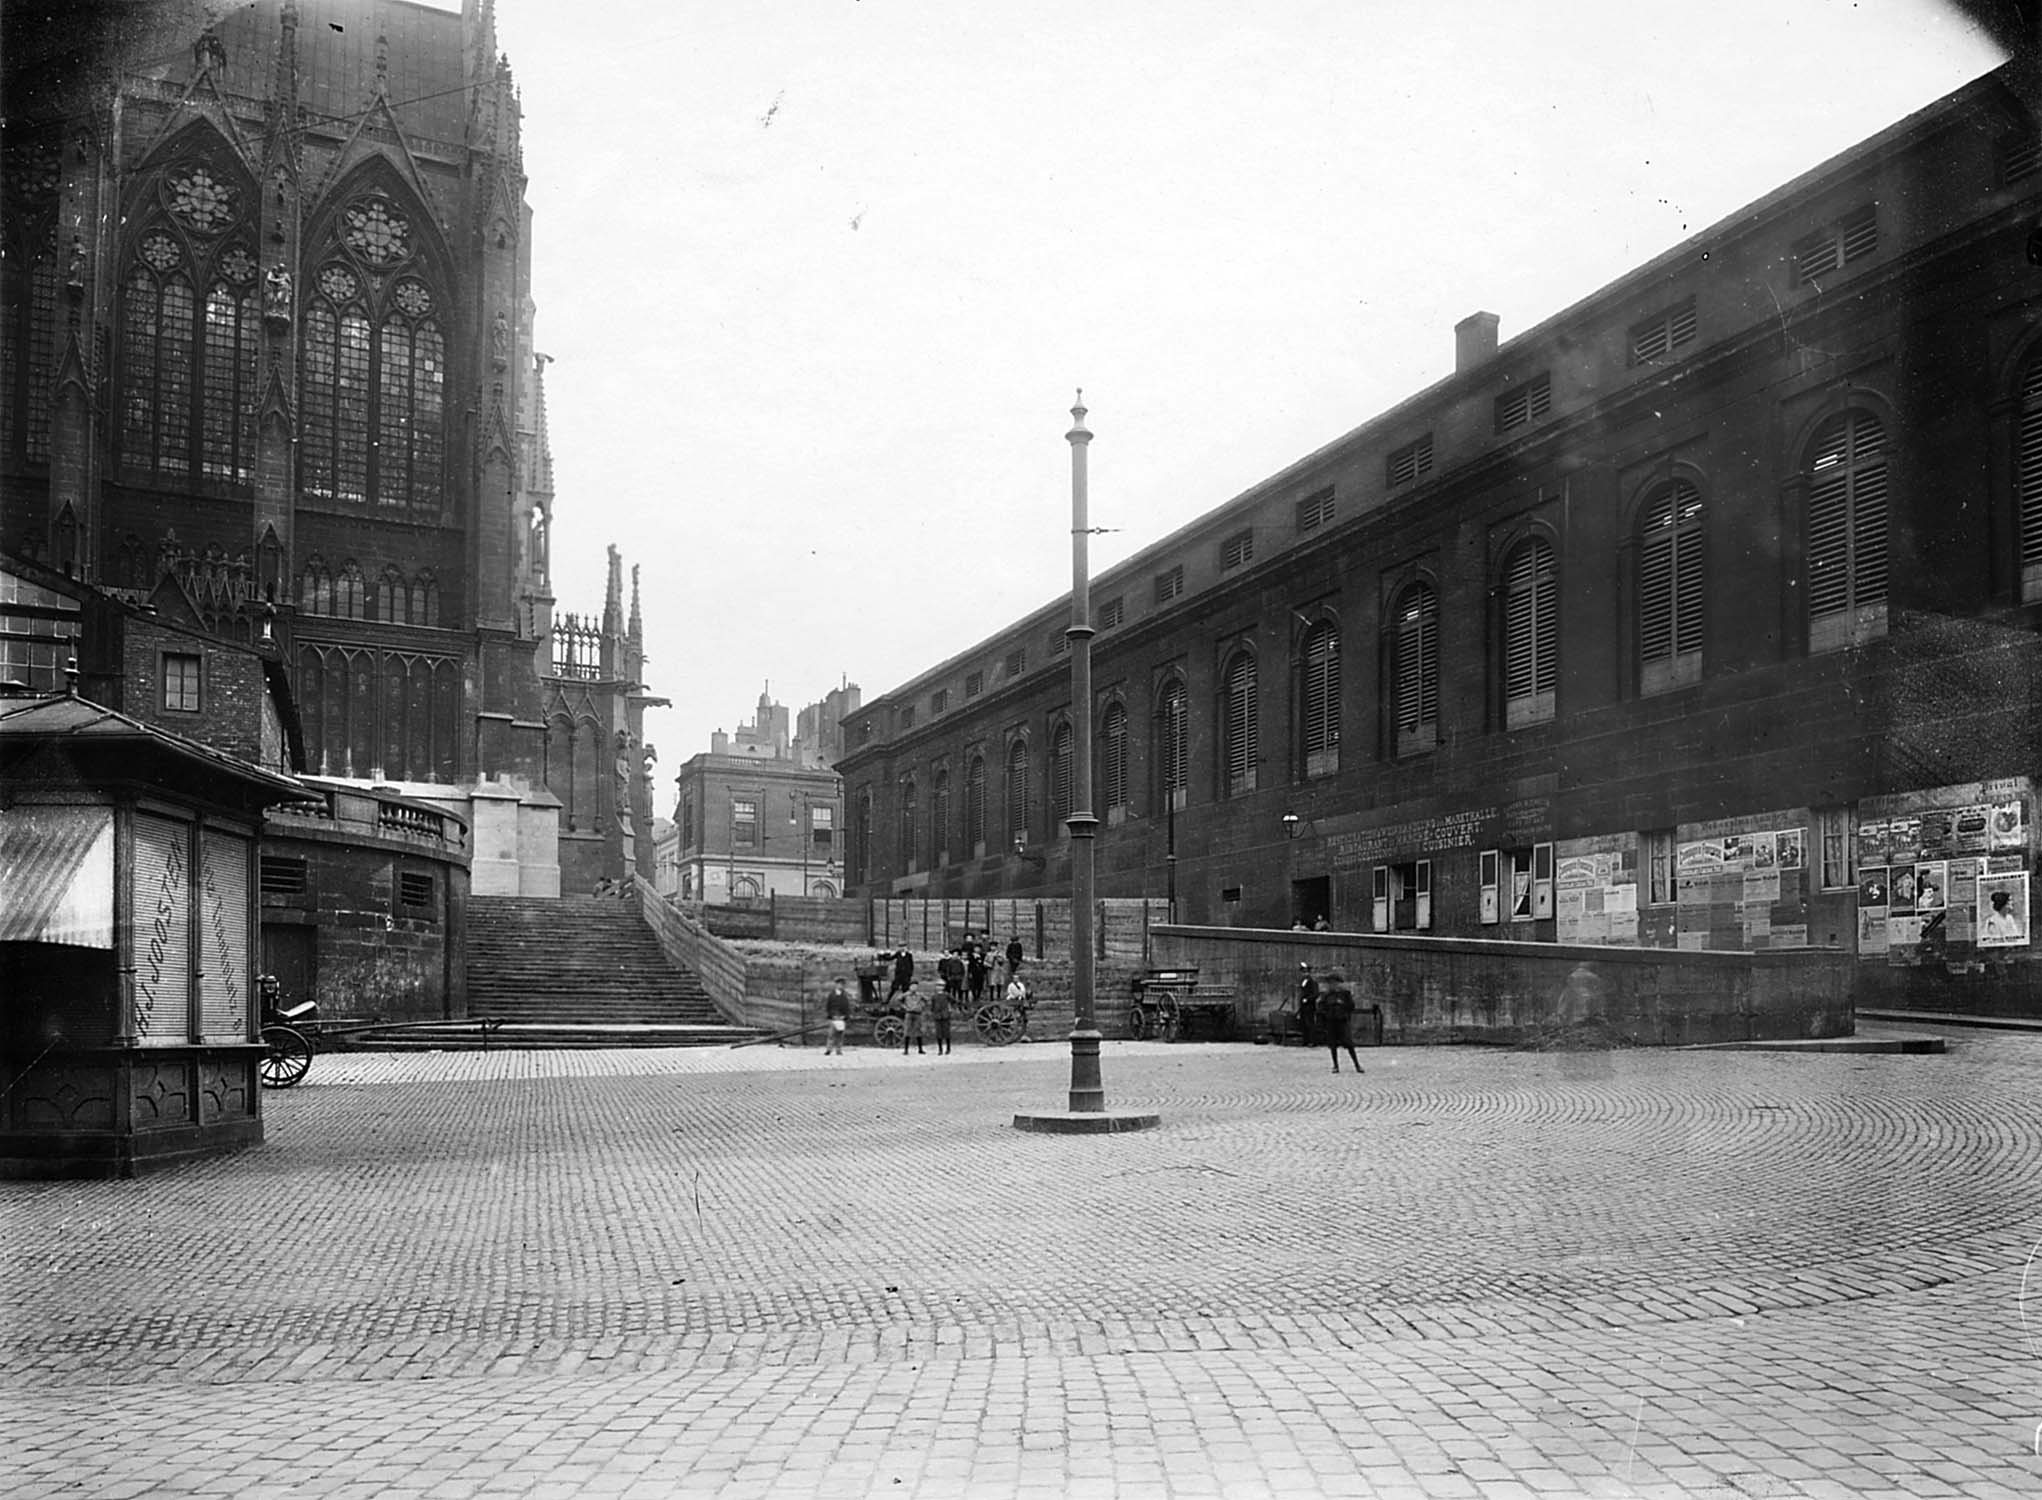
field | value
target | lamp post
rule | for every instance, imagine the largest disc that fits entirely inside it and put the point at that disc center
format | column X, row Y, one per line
column 1088, row 1091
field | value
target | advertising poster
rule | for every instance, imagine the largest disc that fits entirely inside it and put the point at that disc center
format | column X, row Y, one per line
column 1900, row 889
column 1791, row 842
column 1871, row 931
column 2003, row 910
column 1872, row 889
column 1931, row 886
column 1903, row 839
column 2010, row 825
column 1971, row 829
column 1871, row 844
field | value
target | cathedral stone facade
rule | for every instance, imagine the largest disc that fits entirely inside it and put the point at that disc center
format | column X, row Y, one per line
column 266, row 359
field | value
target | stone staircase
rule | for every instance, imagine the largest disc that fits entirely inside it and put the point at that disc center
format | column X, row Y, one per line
column 577, row 971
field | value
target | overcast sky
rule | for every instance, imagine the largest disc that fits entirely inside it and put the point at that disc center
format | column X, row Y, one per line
column 821, row 276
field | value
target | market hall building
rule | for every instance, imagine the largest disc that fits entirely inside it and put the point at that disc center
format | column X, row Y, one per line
column 1702, row 615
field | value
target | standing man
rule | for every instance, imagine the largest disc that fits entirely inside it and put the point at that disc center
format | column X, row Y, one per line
column 1336, row 1017
column 911, row 1013
column 903, row 973
column 1308, row 1004
column 975, row 969
column 939, row 1015
column 837, row 1008
column 1013, row 958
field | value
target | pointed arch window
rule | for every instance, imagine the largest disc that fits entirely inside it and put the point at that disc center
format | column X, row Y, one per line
column 29, row 319
column 975, row 805
column 190, row 326
column 1670, row 589
column 347, row 593
column 1238, row 725
column 1847, row 523
column 315, row 589
column 1319, row 699
column 1414, row 670
column 1017, row 792
column 1531, row 648
column 2028, row 480
column 1113, row 757
column 1060, row 779
column 374, row 367
column 393, row 599
column 1173, row 738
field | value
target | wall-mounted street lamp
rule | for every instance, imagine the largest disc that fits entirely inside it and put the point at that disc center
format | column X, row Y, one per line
column 1291, row 822
column 1021, row 852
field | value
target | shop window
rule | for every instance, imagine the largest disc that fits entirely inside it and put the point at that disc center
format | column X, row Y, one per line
column 1833, row 838
column 1403, row 897
column 1517, row 884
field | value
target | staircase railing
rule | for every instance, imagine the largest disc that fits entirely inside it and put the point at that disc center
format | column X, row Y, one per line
column 720, row 967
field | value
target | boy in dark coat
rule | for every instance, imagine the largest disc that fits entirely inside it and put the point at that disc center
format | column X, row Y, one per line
column 1336, row 1018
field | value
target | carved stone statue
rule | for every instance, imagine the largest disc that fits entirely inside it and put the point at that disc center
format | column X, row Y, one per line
column 499, row 342
column 276, row 295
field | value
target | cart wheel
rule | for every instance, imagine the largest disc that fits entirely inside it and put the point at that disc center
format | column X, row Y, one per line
column 889, row 1031
column 998, row 1024
column 289, row 1057
column 1138, row 1024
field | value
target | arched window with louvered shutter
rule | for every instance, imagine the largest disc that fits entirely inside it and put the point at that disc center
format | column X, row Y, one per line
column 861, row 837
column 1847, row 523
column 939, row 820
column 908, row 852
column 2028, row 480
column 1173, row 740
column 1017, row 792
column 1113, row 757
column 1670, row 589
column 1319, row 699
column 1060, row 779
column 1531, row 648
column 975, row 806
column 1414, row 670
column 1238, row 726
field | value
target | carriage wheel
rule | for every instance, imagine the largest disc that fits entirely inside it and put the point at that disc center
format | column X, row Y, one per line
column 890, row 1031
column 998, row 1024
column 288, row 1059
column 1138, row 1023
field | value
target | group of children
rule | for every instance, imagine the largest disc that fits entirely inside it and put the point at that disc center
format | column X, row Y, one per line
column 966, row 970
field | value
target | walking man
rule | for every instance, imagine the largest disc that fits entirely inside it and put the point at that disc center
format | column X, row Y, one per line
column 838, row 1011
column 1336, row 1018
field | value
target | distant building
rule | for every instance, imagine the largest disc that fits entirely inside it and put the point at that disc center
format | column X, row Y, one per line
column 760, row 814
column 1704, row 614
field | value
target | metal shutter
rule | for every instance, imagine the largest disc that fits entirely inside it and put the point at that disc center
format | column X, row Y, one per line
column 162, row 916
column 224, row 1013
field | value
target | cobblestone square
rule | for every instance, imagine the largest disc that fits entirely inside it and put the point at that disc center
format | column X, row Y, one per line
column 759, row 1272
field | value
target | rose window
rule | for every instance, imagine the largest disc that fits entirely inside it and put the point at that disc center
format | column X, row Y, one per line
column 160, row 251
column 413, row 300
column 199, row 202
column 377, row 232
column 238, row 266
column 338, row 283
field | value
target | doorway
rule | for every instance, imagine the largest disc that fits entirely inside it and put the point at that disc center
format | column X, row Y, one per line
column 1311, row 900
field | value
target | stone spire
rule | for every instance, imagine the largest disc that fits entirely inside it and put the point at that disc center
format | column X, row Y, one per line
column 636, row 629
column 613, row 596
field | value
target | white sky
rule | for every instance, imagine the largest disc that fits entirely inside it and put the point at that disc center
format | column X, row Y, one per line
column 821, row 276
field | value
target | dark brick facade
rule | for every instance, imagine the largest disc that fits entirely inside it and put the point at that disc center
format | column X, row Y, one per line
column 1739, row 372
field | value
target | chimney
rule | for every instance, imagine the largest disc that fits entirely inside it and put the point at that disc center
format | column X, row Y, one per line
column 1474, row 341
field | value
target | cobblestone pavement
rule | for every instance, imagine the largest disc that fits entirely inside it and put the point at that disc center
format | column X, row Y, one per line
column 760, row 1273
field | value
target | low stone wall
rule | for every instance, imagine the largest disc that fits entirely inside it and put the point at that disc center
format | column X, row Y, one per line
column 819, row 919
column 720, row 967
column 1434, row 990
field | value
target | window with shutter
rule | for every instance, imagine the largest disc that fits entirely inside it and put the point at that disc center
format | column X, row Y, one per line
column 1531, row 657
column 1319, row 700
column 1237, row 549
column 1663, row 333
column 1112, row 612
column 1847, row 532
column 1017, row 791
column 1059, row 779
column 1315, row 511
column 1169, row 584
column 1670, row 588
column 2019, row 157
column 1528, row 403
column 1113, row 757
column 1416, row 670
column 1173, row 731
column 907, row 826
column 1410, row 462
column 1237, row 725
column 2028, row 481
column 975, row 805
column 939, row 820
